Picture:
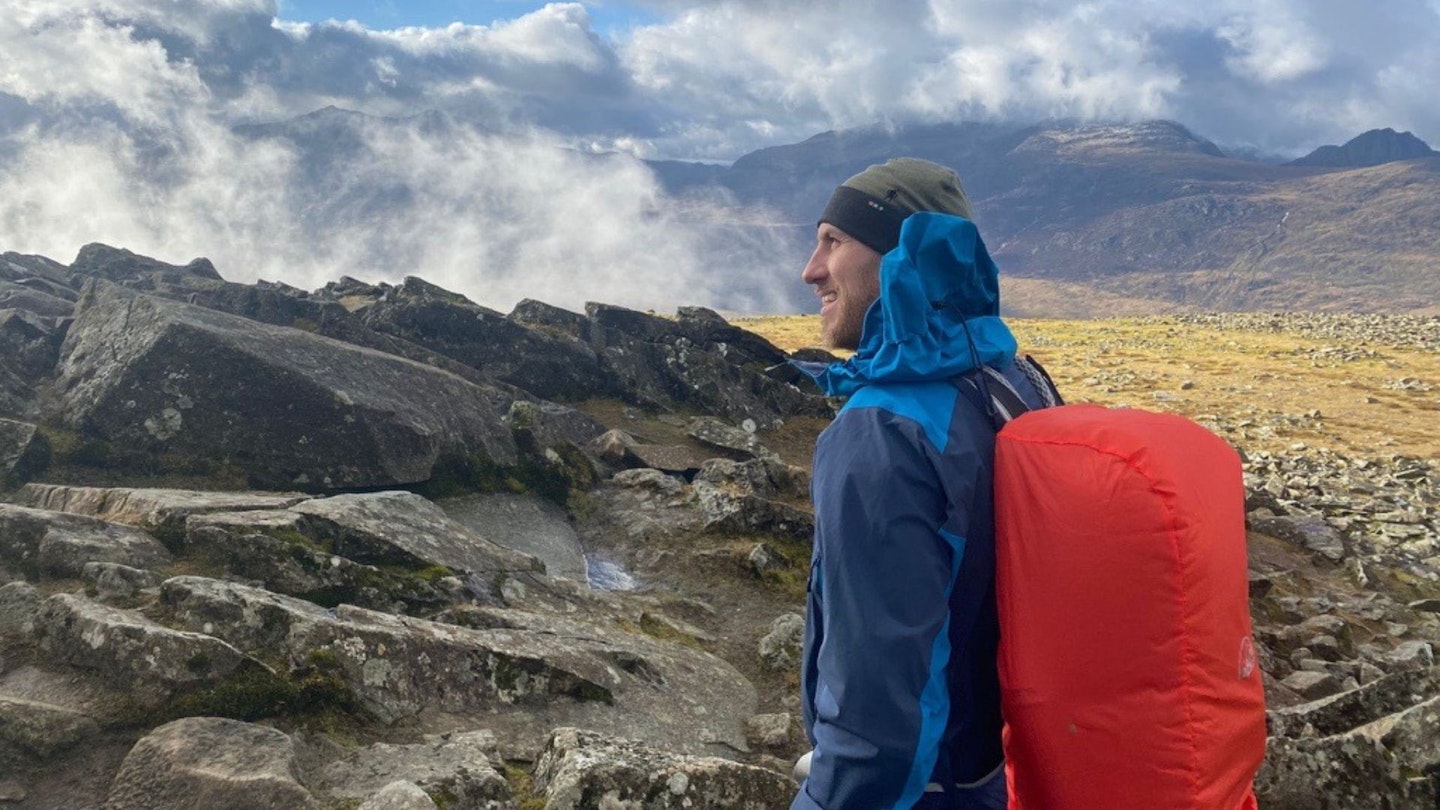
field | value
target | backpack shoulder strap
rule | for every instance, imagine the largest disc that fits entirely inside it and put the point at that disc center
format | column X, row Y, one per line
column 993, row 395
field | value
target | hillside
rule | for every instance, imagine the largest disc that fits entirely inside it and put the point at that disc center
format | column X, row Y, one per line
column 1148, row 213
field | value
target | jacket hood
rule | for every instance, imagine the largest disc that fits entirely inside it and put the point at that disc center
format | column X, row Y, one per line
column 938, row 314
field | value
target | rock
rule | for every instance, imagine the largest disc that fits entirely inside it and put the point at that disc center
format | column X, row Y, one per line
column 153, row 376
column 1412, row 655
column 581, row 770
column 713, row 432
column 19, row 602
column 163, row 511
column 394, row 669
column 1310, row 533
column 654, row 481
column 287, row 560
column 1311, row 685
column 141, row 272
column 1426, row 605
column 212, row 763
column 400, row 796
column 768, row 731
column 40, row 730
column 549, row 317
column 24, row 452
column 113, row 582
column 1340, row 713
column 546, row 363
column 29, row 340
column 522, row 663
column 1336, row 773
column 726, row 512
column 780, row 648
column 12, row 791
column 402, row 528
column 459, row 767
column 52, row 544
column 130, row 651
column 764, row 477
column 674, row 458
column 673, row 365
column 523, row 523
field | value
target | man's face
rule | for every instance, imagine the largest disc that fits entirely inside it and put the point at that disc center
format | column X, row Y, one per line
column 846, row 276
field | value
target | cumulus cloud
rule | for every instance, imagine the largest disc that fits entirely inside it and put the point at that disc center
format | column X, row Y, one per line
column 118, row 122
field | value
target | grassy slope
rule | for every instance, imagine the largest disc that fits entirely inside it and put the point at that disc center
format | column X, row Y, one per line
column 1261, row 391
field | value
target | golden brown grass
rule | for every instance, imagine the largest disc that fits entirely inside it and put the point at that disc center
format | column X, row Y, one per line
column 1262, row 391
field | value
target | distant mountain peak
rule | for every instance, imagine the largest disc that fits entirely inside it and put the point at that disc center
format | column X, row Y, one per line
column 1369, row 149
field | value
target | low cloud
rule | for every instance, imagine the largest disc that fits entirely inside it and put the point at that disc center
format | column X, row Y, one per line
column 124, row 121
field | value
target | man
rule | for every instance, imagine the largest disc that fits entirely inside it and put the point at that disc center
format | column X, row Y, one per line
column 900, row 689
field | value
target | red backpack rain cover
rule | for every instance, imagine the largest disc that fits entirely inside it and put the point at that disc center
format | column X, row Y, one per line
column 1128, row 673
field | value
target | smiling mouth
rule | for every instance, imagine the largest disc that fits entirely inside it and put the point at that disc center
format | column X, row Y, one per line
column 828, row 298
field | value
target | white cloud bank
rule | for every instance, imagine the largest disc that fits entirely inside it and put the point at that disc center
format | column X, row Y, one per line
column 117, row 122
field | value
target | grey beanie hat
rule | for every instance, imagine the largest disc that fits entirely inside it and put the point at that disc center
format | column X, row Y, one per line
column 871, row 205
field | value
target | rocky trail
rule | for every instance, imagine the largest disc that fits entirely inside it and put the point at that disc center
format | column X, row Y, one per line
column 377, row 546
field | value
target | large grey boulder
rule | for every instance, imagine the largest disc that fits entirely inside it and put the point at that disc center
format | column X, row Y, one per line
column 130, row 651
column 402, row 528
column 583, row 770
column 287, row 407
column 53, row 544
column 462, row 768
column 212, row 763
column 120, row 266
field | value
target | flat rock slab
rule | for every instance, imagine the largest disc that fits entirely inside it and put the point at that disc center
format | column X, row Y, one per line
column 131, row 651
column 289, row 408
column 396, row 666
column 461, row 767
column 523, row 673
column 54, row 544
column 162, row 509
column 212, row 763
column 406, row 529
column 582, row 770
column 524, row 523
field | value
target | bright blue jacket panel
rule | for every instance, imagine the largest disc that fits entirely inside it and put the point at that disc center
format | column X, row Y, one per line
column 899, row 678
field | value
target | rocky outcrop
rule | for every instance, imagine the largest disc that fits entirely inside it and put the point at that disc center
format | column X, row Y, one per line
column 547, row 364
column 671, row 365
column 213, row 763
column 164, row 377
column 579, row 770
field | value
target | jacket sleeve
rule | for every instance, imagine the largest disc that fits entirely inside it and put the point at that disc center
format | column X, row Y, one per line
column 886, row 570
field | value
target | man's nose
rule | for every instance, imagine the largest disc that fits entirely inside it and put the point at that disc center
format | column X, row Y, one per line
column 815, row 270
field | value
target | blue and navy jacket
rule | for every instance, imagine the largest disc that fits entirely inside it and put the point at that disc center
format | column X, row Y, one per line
column 900, row 688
